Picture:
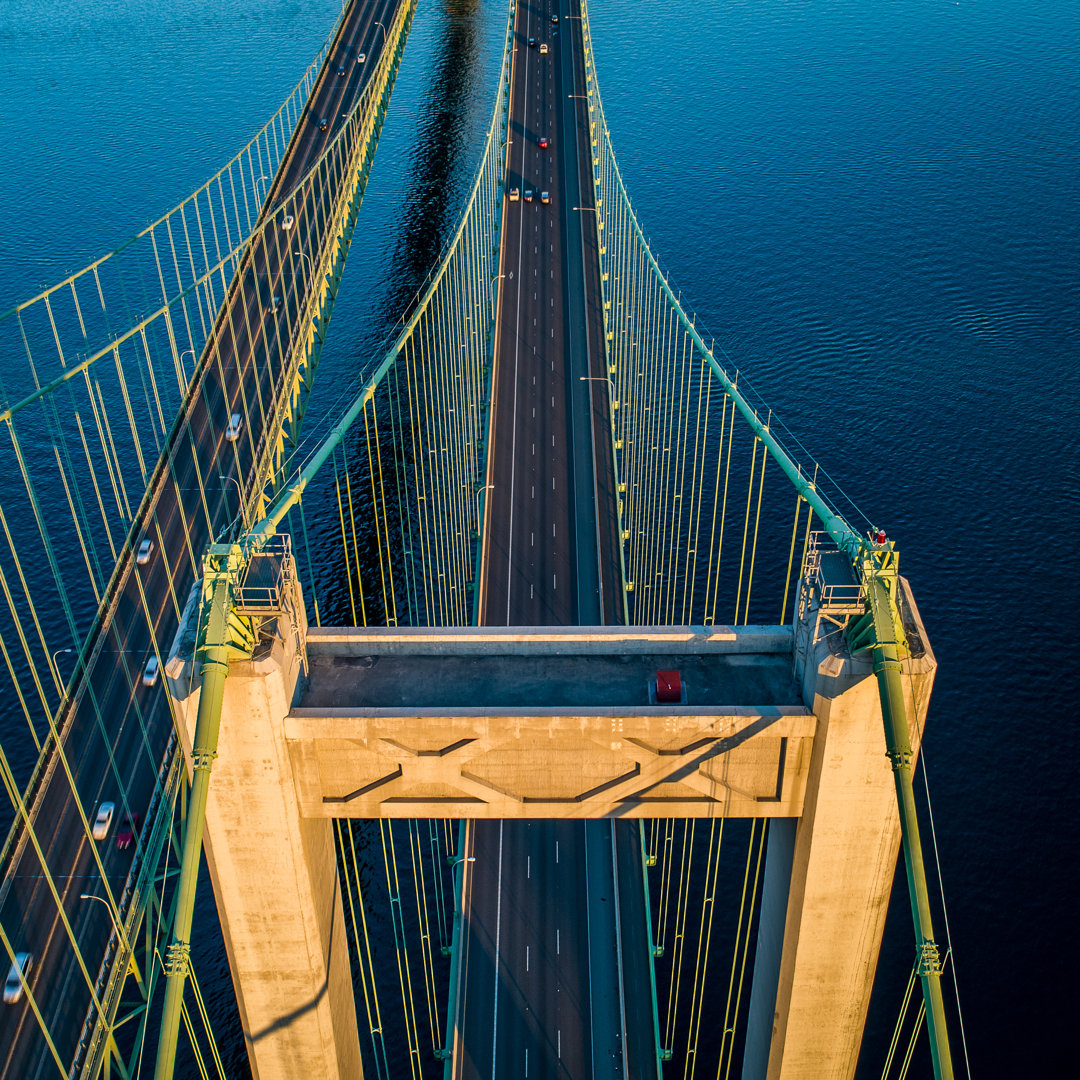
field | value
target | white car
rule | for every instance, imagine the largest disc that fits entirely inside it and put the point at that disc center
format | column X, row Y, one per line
column 545, row 197
column 150, row 672
column 361, row 57
column 146, row 549
column 543, row 47
column 287, row 222
column 13, row 985
column 232, row 432
column 515, row 194
column 103, row 820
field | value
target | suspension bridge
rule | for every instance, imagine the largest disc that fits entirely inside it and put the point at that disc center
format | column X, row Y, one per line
column 533, row 702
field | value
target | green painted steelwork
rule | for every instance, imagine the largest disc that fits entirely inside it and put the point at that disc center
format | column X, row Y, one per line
column 888, row 650
column 492, row 165
column 648, row 861
column 224, row 564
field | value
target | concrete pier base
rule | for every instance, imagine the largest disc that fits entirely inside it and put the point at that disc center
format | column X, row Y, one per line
column 829, row 875
column 274, row 874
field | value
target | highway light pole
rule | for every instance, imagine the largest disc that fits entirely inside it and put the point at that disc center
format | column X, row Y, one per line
column 309, row 267
column 597, row 378
column 56, row 667
column 491, row 290
column 108, row 908
column 486, row 487
column 444, row 1054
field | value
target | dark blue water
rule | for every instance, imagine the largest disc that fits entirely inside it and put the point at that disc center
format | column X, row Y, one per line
column 872, row 206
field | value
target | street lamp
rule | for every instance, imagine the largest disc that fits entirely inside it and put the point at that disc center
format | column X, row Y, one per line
column 594, row 378
column 309, row 267
column 240, row 499
column 486, row 487
column 379, row 24
column 108, row 908
column 491, row 290
column 56, row 667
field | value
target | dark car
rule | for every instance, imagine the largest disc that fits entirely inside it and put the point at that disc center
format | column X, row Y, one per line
column 341, row 72
column 324, row 124
column 532, row 43
column 126, row 833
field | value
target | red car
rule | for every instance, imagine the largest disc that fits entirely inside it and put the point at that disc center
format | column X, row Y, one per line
column 129, row 824
column 543, row 142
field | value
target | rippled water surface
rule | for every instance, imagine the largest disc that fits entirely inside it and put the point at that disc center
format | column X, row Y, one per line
column 872, row 206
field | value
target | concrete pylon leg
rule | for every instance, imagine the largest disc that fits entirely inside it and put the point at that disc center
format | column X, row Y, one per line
column 819, row 943
column 274, row 875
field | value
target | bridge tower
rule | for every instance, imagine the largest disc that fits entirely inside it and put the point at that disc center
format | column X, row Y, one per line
column 304, row 740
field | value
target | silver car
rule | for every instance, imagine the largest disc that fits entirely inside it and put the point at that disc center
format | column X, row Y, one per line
column 103, row 820
column 13, row 985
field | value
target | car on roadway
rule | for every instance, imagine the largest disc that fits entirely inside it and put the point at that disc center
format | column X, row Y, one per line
column 232, row 432
column 341, row 71
column 287, row 222
column 275, row 303
column 150, row 672
column 13, row 985
column 515, row 194
column 543, row 46
column 528, row 194
column 554, row 18
column 532, row 43
column 146, row 549
column 545, row 197
column 543, row 142
column 361, row 57
column 323, row 123
column 126, row 833
column 103, row 820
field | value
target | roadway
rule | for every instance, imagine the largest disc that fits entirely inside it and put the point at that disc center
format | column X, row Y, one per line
column 545, row 904
column 116, row 731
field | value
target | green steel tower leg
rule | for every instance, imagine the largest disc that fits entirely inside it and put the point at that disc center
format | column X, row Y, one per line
column 215, row 668
column 888, row 669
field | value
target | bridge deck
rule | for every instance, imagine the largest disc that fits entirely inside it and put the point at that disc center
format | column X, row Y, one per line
column 549, row 557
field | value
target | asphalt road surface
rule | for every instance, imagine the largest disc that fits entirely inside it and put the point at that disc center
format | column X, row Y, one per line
column 116, row 735
column 546, row 904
